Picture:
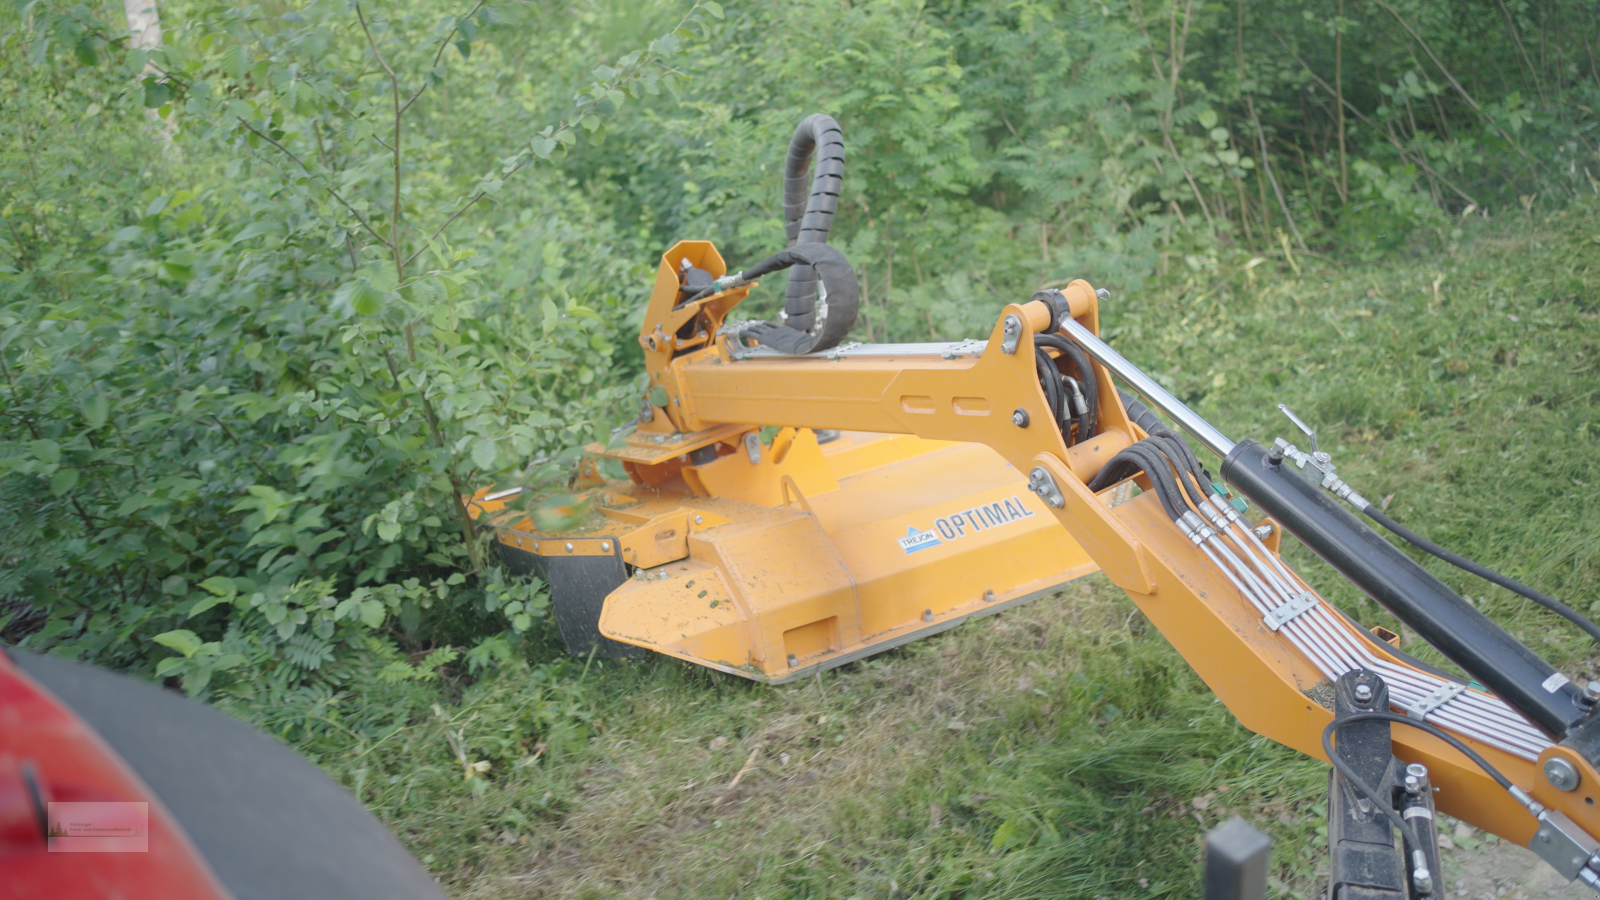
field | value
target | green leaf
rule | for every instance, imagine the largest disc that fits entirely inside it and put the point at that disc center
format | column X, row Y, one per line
column 549, row 315
column 156, row 93
column 713, row 7
column 203, row 604
column 166, row 666
column 220, row 586
column 182, row 640
column 46, row 450
column 484, row 451
column 63, row 480
column 372, row 613
column 95, row 408
column 389, row 531
column 658, row 396
column 255, row 229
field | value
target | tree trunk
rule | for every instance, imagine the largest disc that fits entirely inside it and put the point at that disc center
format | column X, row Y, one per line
column 144, row 31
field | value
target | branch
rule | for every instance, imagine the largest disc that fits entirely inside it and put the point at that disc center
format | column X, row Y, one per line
column 326, row 186
column 440, row 55
column 1419, row 160
column 394, row 90
column 1451, row 78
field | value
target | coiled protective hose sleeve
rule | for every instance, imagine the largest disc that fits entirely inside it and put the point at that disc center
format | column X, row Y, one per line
column 809, row 202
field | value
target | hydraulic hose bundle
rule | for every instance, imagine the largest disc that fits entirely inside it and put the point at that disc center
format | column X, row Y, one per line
column 822, row 296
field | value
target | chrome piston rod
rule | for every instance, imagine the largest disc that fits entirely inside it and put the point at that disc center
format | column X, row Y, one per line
column 1159, row 398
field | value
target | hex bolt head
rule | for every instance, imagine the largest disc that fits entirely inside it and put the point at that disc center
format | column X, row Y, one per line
column 1591, row 693
column 605, row 546
column 1019, row 418
column 792, row 661
column 1263, row 531
column 1364, row 693
column 1561, row 774
column 699, row 520
column 569, row 548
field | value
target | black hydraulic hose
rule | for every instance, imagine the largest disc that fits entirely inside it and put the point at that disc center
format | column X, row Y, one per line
column 1143, row 457
column 1190, row 463
column 1366, row 790
column 1487, row 574
column 809, row 201
column 1397, row 582
column 1091, row 383
column 1138, row 413
column 1050, row 381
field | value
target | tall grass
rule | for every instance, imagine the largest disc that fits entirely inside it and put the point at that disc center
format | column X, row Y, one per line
column 1063, row 749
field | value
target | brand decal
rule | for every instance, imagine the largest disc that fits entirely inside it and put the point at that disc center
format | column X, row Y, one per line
column 969, row 521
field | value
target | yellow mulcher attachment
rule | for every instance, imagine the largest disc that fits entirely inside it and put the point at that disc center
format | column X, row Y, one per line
column 775, row 560
column 773, row 552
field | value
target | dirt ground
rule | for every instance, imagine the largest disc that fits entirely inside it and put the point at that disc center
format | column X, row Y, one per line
column 1479, row 866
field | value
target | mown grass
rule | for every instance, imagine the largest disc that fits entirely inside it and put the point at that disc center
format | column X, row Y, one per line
column 1064, row 749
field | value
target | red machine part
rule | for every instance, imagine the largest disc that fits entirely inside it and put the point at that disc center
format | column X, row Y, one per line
column 48, row 754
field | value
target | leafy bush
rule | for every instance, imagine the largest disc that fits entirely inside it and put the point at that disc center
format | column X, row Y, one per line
column 277, row 293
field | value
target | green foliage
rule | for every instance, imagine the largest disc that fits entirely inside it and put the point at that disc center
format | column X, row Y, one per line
column 275, row 295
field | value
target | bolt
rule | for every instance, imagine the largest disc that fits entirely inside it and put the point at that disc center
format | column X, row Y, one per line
column 1020, row 418
column 1363, row 693
column 1420, row 773
column 535, row 545
column 569, row 548
column 699, row 520
column 927, row 615
column 1561, row 774
column 793, row 661
column 1591, row 693
column 1263, row 531
column 1322, row 457
column 1423, row 879
column 605, row 546
column 1413, row 786
column 519, row 542
column 988, row 596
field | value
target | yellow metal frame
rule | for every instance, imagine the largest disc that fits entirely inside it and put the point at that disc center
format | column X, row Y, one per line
column 1261, row 678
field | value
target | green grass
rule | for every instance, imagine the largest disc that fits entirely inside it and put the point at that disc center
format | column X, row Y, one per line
column 1064, row 749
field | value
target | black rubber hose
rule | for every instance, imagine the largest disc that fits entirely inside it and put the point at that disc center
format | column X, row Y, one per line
column 1091, row 383
column 1143, row 457
column 1487, row 574
column 844, row 297
column 1366, row 790
column 1140, row 414
column 1050, row 381
column 809, row 202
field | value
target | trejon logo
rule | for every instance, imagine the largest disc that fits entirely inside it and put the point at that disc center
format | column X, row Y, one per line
column 959, row 525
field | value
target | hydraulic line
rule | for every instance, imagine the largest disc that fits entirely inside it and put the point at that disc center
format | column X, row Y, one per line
column 1091, row 383
column 1484, row 572
column 1263, row 580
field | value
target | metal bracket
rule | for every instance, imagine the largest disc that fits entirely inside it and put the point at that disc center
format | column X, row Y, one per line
column 1444, row 694
column 1288, row 612
column 1041, row 483
column 968, row 347
column 1010, row 334
column 1565, row 846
